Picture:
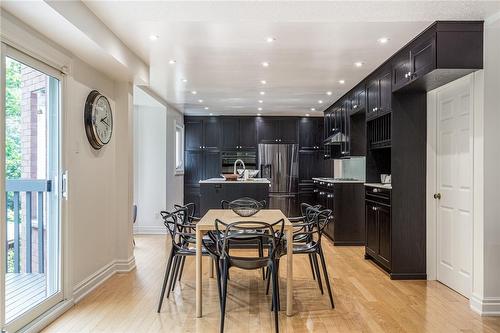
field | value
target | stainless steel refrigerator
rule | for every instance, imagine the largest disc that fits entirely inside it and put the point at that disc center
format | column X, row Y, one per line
column 280, row 164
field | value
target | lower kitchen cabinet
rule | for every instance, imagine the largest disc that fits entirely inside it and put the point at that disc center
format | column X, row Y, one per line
column 192, row 195
column 378, row 232
column 346, row 202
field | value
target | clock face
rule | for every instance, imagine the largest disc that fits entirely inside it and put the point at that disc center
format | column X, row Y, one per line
column 98, row 119
column 102, row 120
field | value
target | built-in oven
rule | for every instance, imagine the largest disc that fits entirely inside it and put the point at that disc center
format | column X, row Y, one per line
column 228, row 158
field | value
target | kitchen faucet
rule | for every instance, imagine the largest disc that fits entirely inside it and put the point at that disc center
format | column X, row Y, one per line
column 242, row 163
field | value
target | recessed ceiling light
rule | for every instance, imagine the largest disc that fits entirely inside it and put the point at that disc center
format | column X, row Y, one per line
column 307, row 114
column 358, row 64
column 265, row 64
column 154, row 37
column 210, row 114
column 313, row 109
column 206, row 108
column 194, row 92
column 329, row 93
column 261, row 101
column 270, row 39
column 260, row 109
column 262, row 93
column 263, row 81
column 320, row 102
column 383, row 40
column 172, row 61
column 200, row 101
column 259, row 114
column 184, row 80
column 341, row 81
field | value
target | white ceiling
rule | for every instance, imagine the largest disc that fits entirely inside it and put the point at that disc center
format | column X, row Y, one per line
column 219, row 46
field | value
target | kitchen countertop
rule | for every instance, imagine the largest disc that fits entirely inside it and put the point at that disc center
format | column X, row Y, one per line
column 336, row 181
column 223, row 181
column 379, row 185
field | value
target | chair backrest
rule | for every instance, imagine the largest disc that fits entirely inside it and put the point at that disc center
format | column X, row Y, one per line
column 270, row 233
column 304, row 206
column 245, row 201
column 314, row 223
column 191, row 209
column 181, row 230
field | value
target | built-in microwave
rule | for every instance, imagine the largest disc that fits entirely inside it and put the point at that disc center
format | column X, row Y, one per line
column 249, row 157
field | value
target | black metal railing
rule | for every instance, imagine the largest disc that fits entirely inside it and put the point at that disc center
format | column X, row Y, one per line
column 32, row 190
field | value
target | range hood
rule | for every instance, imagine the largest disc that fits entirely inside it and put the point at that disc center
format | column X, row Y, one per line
column 335, row 139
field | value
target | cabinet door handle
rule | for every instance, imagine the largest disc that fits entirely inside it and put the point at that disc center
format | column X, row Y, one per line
column 437, row 196
column 354, row 106
column 200, row 147
column 376, row 190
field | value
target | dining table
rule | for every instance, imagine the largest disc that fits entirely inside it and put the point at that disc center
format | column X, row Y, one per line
column 207, row 223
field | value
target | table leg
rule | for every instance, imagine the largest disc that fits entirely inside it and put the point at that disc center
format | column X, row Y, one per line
column 211, row 261
column 199, row 272
column 289, row 273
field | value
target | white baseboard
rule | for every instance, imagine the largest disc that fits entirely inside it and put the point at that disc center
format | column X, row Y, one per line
column 489, row 306
column 93, row 281
column 150, row 230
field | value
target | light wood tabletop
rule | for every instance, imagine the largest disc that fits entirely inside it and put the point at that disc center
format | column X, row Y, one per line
column 207, row 223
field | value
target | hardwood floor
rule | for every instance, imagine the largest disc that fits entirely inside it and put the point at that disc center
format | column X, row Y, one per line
column 366, row 300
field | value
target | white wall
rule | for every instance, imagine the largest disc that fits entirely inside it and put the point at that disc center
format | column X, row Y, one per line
column 488, row 294
column 156, row 185
column 97, row 224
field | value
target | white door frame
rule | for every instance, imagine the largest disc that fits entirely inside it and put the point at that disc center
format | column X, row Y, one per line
column 476, row 80
column 55, row 300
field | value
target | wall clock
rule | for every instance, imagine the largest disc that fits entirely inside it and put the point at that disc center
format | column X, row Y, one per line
column 98, row 120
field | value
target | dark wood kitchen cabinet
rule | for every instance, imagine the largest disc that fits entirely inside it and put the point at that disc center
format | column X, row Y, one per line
column 277, row 130
column 444, row 52
column 357, row 100
column 378, row 226
column 379, row 93
column 310, row 133
column 202, row 133
column 200, row 165
column 239, row 133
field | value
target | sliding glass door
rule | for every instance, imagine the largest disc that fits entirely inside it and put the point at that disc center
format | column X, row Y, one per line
column 31, row 95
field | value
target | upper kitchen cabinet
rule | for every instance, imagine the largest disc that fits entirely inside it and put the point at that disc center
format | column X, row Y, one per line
column 357, row 99
column 239, row 133
column 277, row 130
column 379, row 93
column 444, row 52
column 310, row 133
column 202, row 133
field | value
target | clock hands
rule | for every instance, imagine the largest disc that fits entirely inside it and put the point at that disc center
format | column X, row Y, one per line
column 103, row 121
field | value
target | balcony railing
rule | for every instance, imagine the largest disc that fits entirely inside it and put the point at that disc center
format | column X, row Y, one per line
column 30, row 194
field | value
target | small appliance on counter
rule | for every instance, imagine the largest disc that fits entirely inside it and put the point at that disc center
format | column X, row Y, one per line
column 385, row 178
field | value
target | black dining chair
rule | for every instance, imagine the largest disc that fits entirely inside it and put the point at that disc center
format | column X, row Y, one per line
column 300, row 219
column 225, row 204
column 183, row 237
column 307, row 240
column 272, row 234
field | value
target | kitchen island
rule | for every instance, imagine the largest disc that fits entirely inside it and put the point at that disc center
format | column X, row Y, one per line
column 214, row 190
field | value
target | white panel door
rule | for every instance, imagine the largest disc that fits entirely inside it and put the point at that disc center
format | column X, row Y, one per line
column 454, row 185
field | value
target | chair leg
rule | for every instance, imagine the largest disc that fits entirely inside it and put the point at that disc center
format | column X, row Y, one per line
column 218, row 276
column 268, row 277
column 278, row 284
column 318, row 276
column 176, row 273
column 172, row 274
column 261, row 254
column 275, row 297
column 325, row 274
column 182, row 268
column 312, row 268
column 224, row 295
column 165, row 279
